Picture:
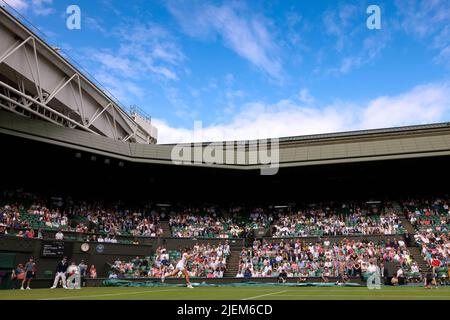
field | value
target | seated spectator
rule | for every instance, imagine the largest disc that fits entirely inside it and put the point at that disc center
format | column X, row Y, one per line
column 83, row 268
column 435, row 250
column 206, row 261
column 325, row 220
column 3, row 230
column 299, row 259
column 92, row 272
column 17, row 276
column 282, row 276
column 426, row 213
column 198, row 224
column 29, row 234
column 59, row 235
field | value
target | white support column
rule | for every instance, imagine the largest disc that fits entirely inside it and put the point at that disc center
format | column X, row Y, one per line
column 58, row 88
column 34, row 91
column 13, row 49
column 28, row 109
column 95, row 117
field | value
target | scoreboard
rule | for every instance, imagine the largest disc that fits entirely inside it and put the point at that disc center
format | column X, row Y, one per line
column 53, row 249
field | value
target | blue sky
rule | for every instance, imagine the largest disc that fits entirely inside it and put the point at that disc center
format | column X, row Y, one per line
column 257, row 69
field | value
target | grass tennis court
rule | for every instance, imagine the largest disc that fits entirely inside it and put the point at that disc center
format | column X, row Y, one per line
column 231, row 293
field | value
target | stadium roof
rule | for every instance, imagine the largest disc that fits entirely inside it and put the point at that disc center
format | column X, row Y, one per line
column 17, row 39
column 363, row 132
column 356, row 146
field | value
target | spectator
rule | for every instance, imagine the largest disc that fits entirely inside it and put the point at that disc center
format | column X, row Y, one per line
column 3, row 230
column 29, row 234
column 206, row 261
column 83, row 268
column 17, row 276
column 282, row 276
column 198, row 225
column 319, row 221
column 400, row 276
column 430, row 278
column 92, row 272
column 339, row 259
column 59, row 235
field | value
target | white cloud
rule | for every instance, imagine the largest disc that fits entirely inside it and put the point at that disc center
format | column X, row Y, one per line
column 115, row 63
column 18, row 4
column 444, row 55
column 355, row 46
column 171, row 134
column 247, row 34
column 181, row 109
column 38, row 7
column 150, row 40
column 423, row 104
column 42, row 7
column 94, row 24
column 123, row 90
column 144, row 51
column 305, row 97
column 423, row 18
column 340, row 24
column 428, row 20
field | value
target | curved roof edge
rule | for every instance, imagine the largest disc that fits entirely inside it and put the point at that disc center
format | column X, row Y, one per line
column 356, row 146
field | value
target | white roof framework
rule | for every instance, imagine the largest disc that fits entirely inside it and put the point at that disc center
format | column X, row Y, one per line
column 38, row 82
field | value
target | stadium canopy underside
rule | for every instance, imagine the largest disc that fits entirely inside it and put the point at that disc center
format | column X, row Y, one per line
column 377, row 164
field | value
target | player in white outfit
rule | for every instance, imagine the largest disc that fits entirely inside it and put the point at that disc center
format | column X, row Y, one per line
column 181, row 267
column 73, row 280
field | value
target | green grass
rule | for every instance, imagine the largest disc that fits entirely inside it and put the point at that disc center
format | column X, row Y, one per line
column 232, row 293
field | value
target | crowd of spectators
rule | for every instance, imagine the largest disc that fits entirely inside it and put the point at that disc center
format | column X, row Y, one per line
column 52, row 219
column 427, row 213
column 106, row 222
column 321, row 259
column 125, row 223
column 435, row 250
column 431, row 219
column 204, row 222
column 10, row 217
column 346, row 220
column 206, row 261
column 258, row 219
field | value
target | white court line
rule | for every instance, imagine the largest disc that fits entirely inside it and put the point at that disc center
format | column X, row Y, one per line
column 264, row 295
column 364, row 297
column 106, row 294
